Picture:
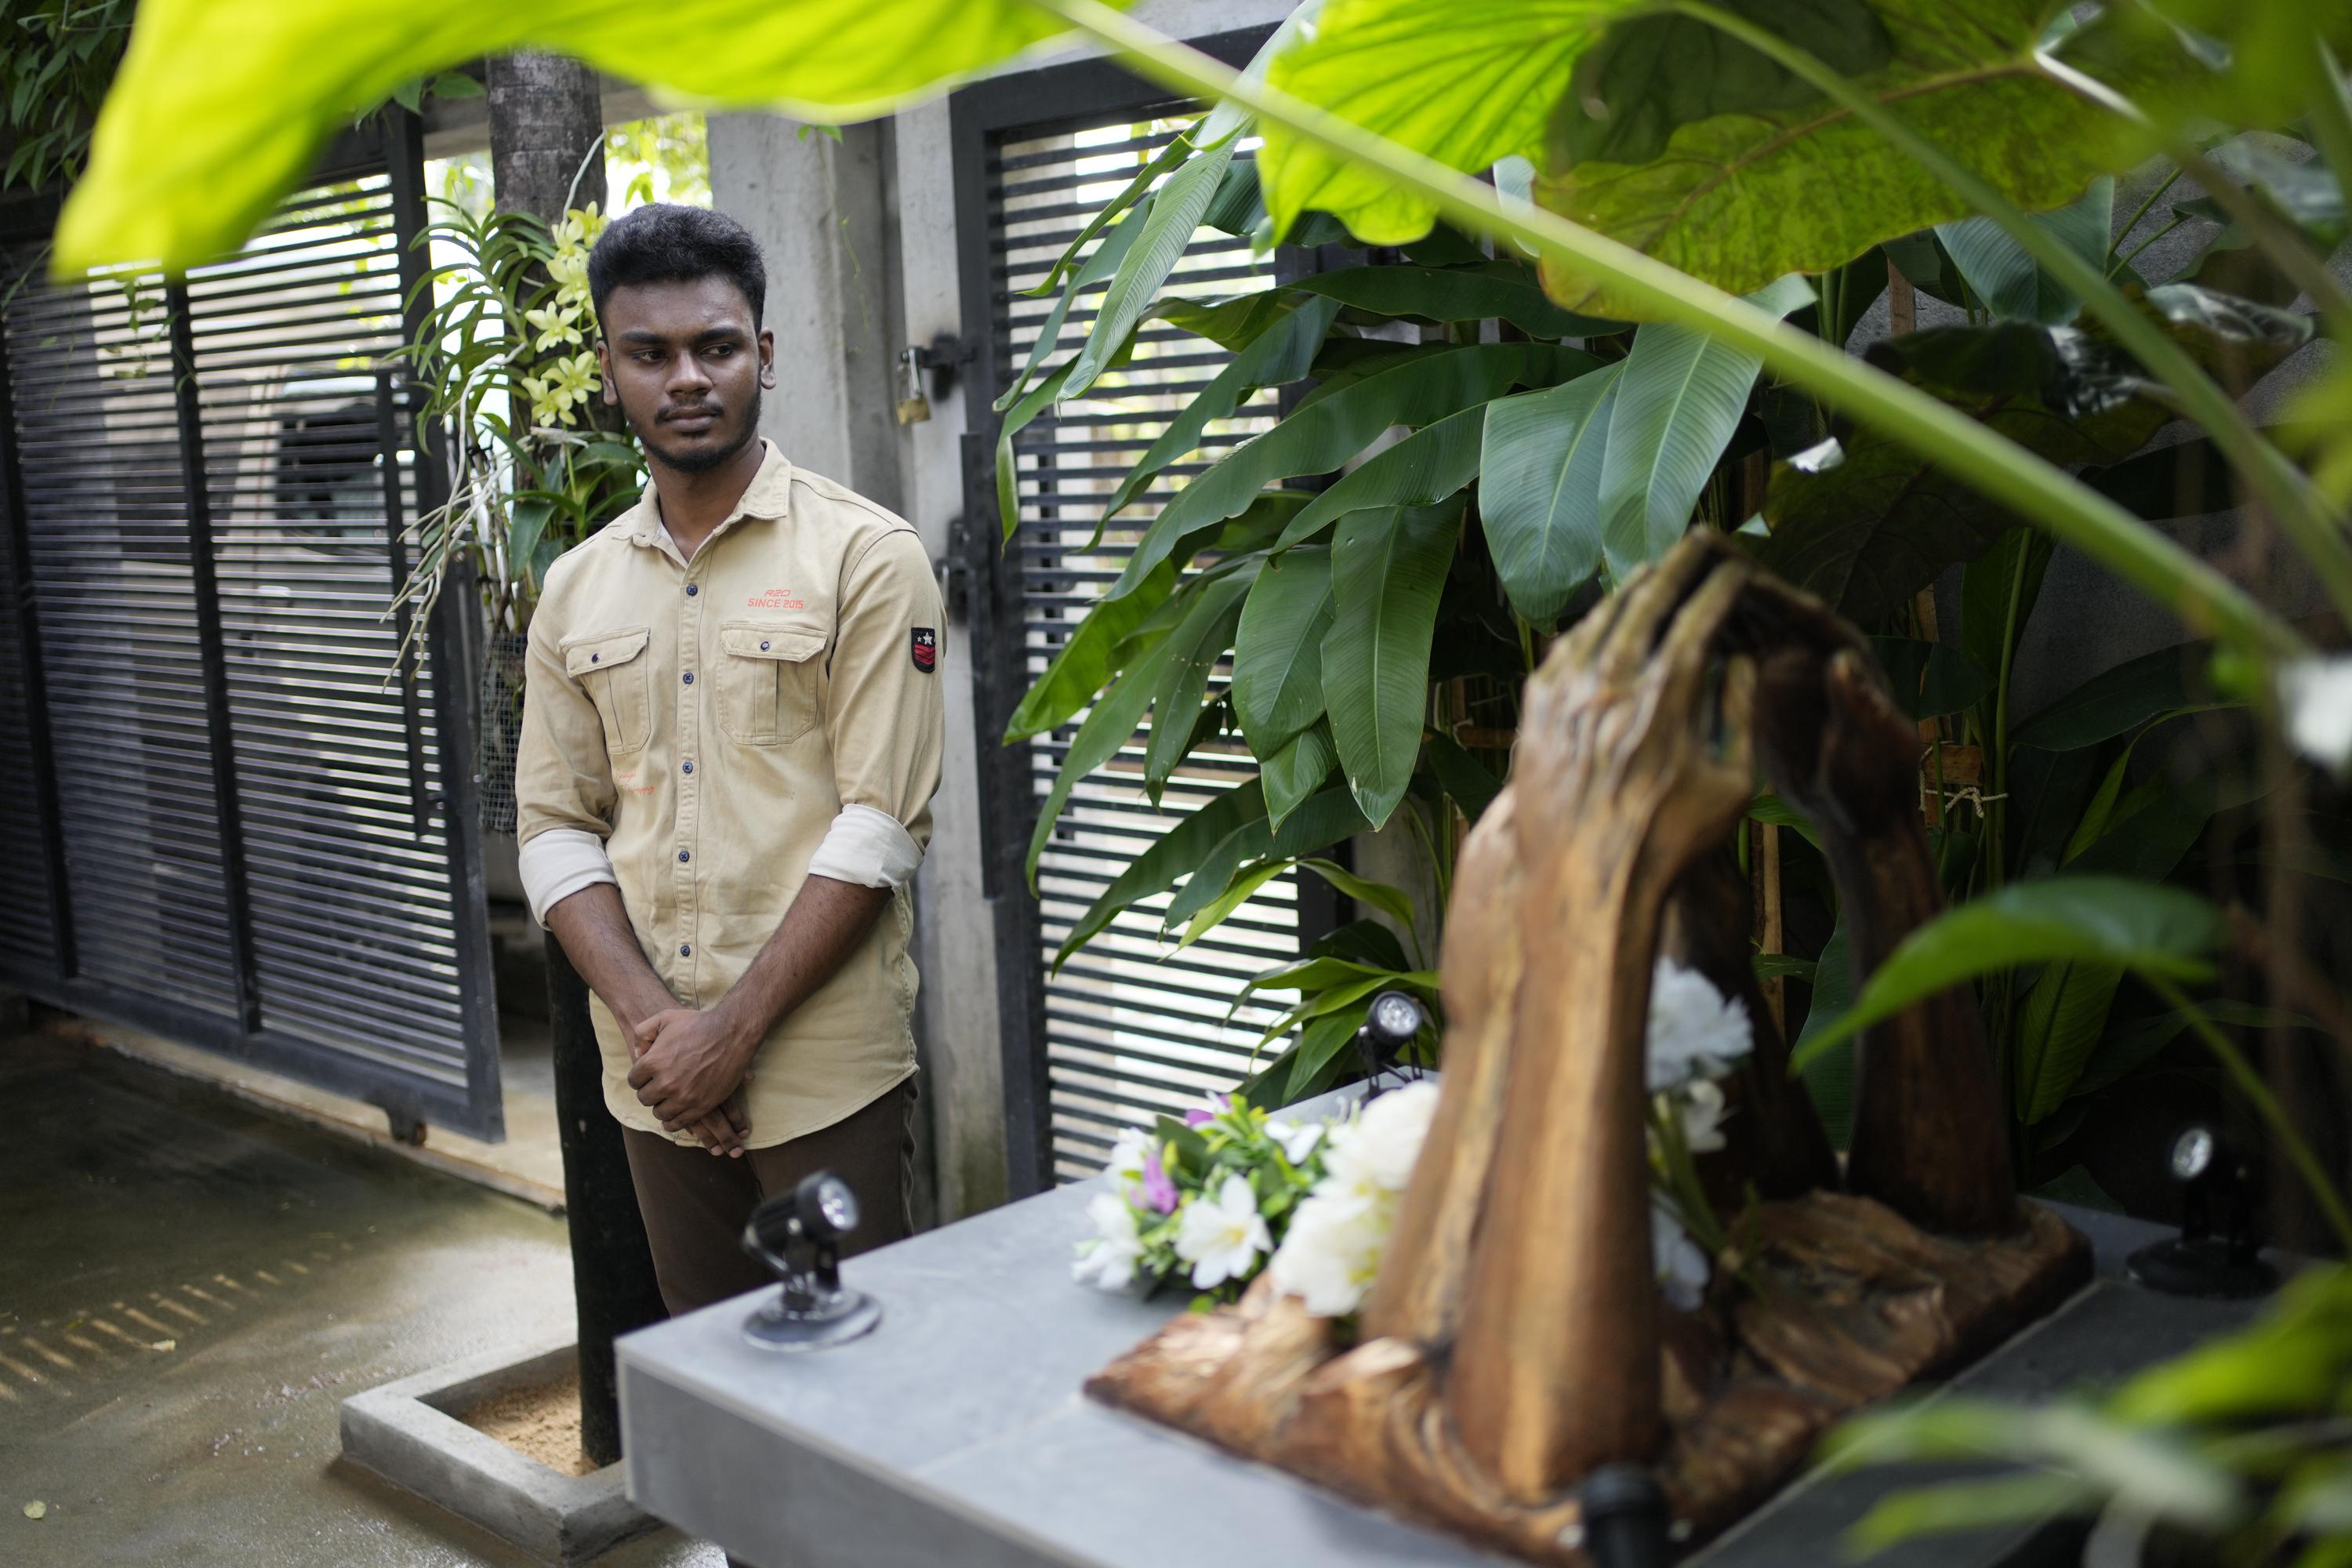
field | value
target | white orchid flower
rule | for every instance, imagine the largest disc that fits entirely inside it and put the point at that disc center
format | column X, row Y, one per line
column 1297, row 1138
column 1682, row 1267
column 1694, row 1031
column 1221, row 1235
column 1331, row 1254
column 2315, row 706
column 1106, row 1259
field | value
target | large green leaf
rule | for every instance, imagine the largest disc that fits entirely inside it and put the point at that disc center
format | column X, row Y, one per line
column 2140, row 926
column 1087, row 659
column 2119, row 700
column 1280, row 354
column 1654, row 74
column 1462, row 776
column 1491, row 290
column 1417, row 389
column 1388, row 569
column 1422, row 470
column 1829, row 1073
column 2128, row 1048
column 1112, row 724
column 1539, row 491
column 221, row 106
column 1870, row 530
column 2058, row 1027
column 1324, row 819
column 1294, row 772
column 2007, row 280
column 1998, row 592
column 1678, row 399
column 1741, row 198
column 1278, row 651
column 1185, row 662
column 1097, row 266
column 1464, row 82
column 1172, row 855
column 1176, row 212
column 1929, row 679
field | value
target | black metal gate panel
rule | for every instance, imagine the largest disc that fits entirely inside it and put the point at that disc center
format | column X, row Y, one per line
column 256, row 829
column 1126, row 1030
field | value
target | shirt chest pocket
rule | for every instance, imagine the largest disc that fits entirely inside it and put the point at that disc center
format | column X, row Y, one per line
column 767, row 681
column 611, row 667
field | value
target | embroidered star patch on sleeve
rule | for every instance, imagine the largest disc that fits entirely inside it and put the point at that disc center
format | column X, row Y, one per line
column 925, row 649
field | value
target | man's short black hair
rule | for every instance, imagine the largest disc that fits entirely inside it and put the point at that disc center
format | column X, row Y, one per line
column 666, row 243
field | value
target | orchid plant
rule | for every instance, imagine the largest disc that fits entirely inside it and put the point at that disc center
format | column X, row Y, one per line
column 1229, row 1193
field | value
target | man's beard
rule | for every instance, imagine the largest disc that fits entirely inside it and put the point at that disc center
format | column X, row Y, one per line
column 704, row 459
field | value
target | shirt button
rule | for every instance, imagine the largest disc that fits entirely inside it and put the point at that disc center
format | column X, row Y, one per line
column 594, row 656
column 763, row 647
column 692, row 589
column 683, row 855
column 689, row 677
column 686, row 950
column 689, row 767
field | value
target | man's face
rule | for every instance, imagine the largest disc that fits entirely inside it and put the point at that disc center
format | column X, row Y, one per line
column 686, row 366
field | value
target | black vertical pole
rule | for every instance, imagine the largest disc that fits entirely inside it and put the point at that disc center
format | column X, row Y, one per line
column 445, row 641
column 212, row 649
column 612, row 1264
column 25, row 622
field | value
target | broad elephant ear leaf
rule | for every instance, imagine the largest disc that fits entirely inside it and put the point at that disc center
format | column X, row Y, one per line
column 1278, row 651
column 1464, row 82
column 2007, row 281
column 220, row 109
column 1735, row 199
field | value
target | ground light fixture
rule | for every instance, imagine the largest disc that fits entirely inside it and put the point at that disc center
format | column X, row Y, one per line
column 1390, row 1025
column 2217, row 1195
column 798, row 1234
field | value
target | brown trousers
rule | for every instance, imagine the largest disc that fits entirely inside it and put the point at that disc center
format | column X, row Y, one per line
column 695, row 1203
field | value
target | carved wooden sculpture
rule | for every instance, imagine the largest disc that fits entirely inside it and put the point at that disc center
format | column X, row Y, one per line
column 1515, row 1338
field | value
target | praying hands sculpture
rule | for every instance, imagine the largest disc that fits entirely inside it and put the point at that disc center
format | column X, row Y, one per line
column 1515, row 1338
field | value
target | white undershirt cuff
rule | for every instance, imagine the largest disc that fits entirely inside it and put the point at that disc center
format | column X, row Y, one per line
column 868, row 847
column 558, row 863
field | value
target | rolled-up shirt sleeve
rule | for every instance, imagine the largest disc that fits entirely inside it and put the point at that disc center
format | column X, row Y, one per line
column 564, row 780
column 884, row 716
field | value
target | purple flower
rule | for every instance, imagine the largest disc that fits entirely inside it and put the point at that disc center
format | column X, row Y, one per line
column 1158, row 1191
column 1202, row 1115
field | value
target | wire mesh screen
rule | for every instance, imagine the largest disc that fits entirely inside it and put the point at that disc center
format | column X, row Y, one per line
column 1131, row 1030
column 218, row 488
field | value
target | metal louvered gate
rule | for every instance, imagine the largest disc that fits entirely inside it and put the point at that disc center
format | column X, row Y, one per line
column 1122, row 1033
column 234, row 829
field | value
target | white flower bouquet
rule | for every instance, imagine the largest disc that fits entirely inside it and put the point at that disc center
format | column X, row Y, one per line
column 1229, row 1193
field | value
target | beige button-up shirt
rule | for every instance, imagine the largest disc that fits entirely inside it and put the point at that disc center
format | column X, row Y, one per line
column 707, row 734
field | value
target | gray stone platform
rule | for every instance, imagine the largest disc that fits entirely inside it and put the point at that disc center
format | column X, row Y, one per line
column 956, row 1434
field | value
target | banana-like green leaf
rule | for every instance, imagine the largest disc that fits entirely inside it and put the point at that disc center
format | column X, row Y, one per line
column 1136, row 193
column 2121, row 699
column 1168, row 229
column 1679, row 397
column 2140, row 926
column 1829, row 1074
column 1087, row 659
column 2059, row 1025
column 1929, row 679
column 1386, row 896
column 221, row 106
column 1539, row 491
column 1738, row 199
column 1422, row 470
column 1185, row 660
column 1465, row 81
column 1278, row 651
column 1096, row 268
column 1239, row 891
column 1293, row 774
column 1326, row 818
column 2128, row 1049
column 1171, row 856
column 1489, row 290
column 1280, row 354
column 1110, row 726
column 1016, row 419
column 1417, row 388
column 1388, row 569
column 1462, row 776
column 2007, row 280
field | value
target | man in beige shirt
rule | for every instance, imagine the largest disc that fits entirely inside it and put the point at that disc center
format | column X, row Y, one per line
column 732, row 735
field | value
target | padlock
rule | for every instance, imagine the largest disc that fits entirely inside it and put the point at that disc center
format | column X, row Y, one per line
column 913, row 407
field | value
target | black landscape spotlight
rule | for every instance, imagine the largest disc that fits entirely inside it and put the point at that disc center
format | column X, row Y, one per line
column 1390, row 1025
column 798, row 1234
column 2217, row 1192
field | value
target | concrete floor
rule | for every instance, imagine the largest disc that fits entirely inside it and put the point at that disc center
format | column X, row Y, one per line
column 187, row 1288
